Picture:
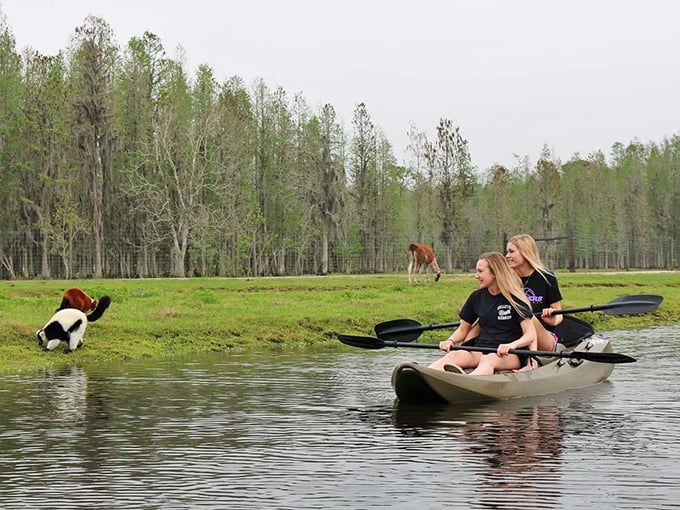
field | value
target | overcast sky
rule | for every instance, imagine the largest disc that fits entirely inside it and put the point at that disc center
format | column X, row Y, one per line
column 514, row 75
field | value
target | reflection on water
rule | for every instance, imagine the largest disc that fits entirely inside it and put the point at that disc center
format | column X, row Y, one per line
column 324, row 431
column 516, row 447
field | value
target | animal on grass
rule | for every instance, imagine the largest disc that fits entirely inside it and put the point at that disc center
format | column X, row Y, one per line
column 68, row 325
column 420, row 259
column 78, row 299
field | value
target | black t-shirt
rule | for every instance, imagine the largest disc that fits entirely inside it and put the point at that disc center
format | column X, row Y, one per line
column 541, row 292
column 499, row 322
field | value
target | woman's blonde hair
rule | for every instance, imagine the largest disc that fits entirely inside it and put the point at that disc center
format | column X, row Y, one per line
column 526, row 245
column 508, row 281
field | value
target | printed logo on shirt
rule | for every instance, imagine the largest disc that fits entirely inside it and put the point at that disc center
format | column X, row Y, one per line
column 504, row 312
column 533, row 298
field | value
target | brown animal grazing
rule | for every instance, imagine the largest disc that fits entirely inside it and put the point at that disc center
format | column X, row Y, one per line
column 421, row 258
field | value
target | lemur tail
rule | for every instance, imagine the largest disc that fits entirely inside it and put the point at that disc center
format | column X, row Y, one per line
column 103, row 304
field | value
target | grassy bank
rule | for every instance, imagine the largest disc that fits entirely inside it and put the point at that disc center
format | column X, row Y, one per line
column 153, row 318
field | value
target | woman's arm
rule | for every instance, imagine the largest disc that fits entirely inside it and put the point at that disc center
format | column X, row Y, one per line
column 528, row 336
column 457, row 337
column 548, row 317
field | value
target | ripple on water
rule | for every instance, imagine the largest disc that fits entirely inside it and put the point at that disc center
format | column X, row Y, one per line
column 324, row 431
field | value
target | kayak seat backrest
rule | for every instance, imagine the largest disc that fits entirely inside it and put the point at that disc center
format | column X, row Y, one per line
column 572, row 331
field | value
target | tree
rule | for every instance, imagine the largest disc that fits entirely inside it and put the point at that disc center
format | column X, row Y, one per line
column 421, row 216
column 235, row 147
column 173, row 196
column 388, row 204
column 498, row 193
column 548, row 177
column 47, row 140
column 549, row 222
column 139, row 82
column 11, row 145
column 274, row 132
column 363, row 183
column 325, row 183
column 663, row 188
column 93, row 60
column 631, row 207
column 449, row 161
column 11, row 87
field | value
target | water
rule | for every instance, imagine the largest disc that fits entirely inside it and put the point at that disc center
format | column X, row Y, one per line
column 324, row 431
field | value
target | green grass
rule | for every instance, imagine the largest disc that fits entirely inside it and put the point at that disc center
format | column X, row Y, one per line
column 161, row 317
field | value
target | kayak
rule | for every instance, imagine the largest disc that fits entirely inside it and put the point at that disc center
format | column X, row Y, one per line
column 414, row 383
column 580, row 359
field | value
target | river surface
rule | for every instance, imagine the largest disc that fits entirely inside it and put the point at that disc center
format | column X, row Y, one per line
column 319, row 430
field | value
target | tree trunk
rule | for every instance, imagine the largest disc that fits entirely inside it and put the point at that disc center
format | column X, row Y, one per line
column 324, row 248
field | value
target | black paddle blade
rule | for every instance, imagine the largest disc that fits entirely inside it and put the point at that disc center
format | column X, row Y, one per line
column 364, row 342
column 602, row 357
column 633, row 305
column 404, row 330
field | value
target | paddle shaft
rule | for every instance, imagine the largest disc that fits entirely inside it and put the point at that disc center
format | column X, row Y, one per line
column 519, row 352
column 645, row 305
column 377, row 343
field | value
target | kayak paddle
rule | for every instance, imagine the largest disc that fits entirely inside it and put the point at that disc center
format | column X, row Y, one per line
column 367, row 342
column 407, row 330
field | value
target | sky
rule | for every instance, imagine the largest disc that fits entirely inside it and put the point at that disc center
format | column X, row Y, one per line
column 514, row 76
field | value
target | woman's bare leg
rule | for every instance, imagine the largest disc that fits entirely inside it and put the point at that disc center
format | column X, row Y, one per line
column 544, row 342
column 490, row 363
column 464, row 359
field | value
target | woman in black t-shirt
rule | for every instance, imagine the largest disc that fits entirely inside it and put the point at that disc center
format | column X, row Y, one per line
column 541, row 288
column 503, row 314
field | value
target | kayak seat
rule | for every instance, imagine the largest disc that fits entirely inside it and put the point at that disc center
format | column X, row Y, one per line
column 573, row 331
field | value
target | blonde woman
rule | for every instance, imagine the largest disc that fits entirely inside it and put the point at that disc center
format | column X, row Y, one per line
column 540, row 287
column 502, row 312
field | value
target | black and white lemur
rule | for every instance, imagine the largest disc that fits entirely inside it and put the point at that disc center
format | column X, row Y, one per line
column 68, row 325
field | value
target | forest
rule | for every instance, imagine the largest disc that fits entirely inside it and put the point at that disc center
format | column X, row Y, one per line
column 119, row 162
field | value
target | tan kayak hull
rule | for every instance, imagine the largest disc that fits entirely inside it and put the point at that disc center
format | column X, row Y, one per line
column 414, row 383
